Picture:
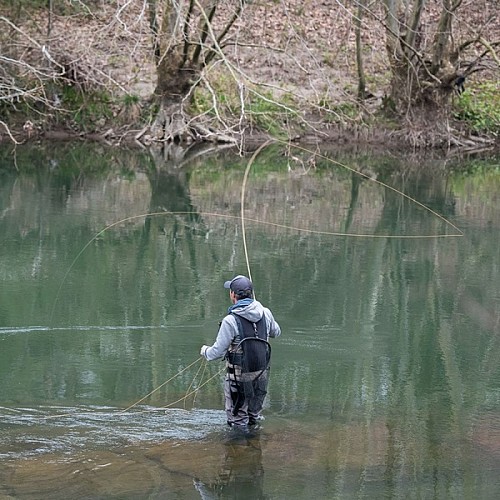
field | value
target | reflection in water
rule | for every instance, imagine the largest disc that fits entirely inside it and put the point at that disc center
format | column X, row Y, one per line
column 241, row 475
column 386, row 382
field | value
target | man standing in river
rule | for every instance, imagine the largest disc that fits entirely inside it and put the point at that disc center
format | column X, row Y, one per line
column 243, row 340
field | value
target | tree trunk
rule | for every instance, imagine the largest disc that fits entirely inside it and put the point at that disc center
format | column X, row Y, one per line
column 423, row 75
column 172, row 93
column 174, row 79
column 171, row 124
column 186, row 43
column 359, row 52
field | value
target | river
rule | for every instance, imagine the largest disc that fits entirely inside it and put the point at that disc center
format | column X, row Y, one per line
column 384, row 384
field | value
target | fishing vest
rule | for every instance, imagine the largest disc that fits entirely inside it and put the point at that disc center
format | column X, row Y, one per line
column 250, row 353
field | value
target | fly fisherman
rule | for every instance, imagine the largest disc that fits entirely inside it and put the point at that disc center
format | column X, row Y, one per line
column 243, row 341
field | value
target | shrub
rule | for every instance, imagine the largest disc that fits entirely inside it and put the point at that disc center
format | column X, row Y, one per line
column 480, row 108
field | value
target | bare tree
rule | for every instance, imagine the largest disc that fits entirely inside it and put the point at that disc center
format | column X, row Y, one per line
column 189, row 37
column 304, row 59
column 429, row 59
column 35, row 65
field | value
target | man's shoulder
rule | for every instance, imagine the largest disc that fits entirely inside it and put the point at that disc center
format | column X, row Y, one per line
column 229, row 319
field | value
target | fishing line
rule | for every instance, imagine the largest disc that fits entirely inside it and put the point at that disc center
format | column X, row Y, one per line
column 195, row 390
column 161, row 385
column 202, row 366
column 380, row 183
column 242, row 219
column 190, row 393
column 184, row 398
column 243, row 230
column 60, row 415
column 242, row 205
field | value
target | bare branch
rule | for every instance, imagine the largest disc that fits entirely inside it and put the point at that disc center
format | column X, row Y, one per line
column 186, row 33
column 490, row 49
column 7, row 129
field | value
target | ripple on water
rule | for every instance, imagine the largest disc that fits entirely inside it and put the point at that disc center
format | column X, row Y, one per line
column 27, row 432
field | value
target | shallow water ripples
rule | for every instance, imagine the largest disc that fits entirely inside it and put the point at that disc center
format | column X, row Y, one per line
column 28, row 432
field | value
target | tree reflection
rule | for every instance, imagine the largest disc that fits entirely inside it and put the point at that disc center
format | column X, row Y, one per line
column 390, row 346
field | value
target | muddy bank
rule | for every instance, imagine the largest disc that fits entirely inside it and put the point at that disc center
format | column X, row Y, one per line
column 353, row 138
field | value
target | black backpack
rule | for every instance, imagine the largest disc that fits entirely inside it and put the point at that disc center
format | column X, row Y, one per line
column 253, row 351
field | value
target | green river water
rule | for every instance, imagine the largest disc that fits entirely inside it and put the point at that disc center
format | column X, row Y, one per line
column 384, row 384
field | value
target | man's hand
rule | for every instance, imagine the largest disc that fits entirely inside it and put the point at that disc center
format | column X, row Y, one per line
column 203, row 350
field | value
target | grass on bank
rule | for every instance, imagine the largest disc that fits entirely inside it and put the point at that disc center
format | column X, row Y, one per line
column 224, row 100
column 479, row 107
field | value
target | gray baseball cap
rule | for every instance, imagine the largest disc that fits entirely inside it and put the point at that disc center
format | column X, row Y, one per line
column 239, row 284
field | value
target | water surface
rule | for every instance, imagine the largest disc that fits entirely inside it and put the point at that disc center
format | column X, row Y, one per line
column 385, row 382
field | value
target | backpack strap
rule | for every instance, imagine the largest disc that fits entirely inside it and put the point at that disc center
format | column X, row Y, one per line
column 259, row 328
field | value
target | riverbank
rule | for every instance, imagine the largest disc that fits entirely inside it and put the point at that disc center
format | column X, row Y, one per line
column 298, row 55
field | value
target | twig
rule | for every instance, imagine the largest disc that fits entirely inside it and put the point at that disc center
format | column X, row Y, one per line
column 9, row 134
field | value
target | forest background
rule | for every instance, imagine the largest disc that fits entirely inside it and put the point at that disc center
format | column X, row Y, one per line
column 414, row 72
